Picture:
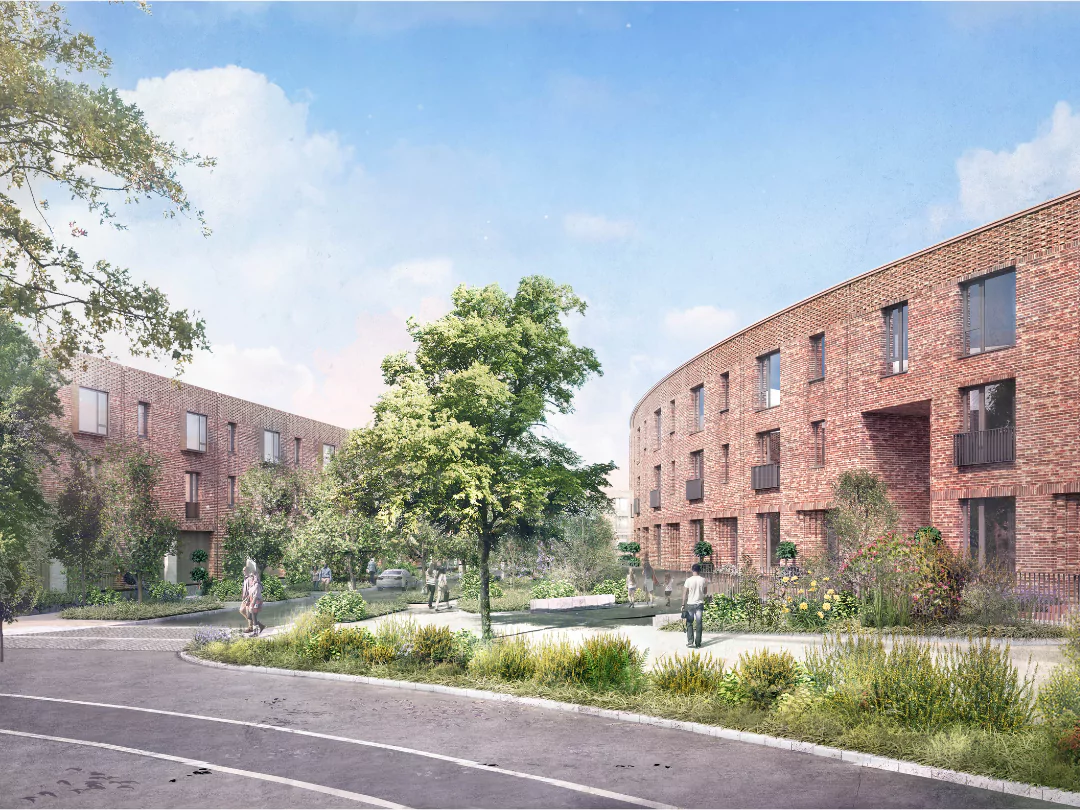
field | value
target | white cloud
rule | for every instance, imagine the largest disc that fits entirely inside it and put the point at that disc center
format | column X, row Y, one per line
column 593, row 228
column 423, row 273
column 703, row 324
column 993, row 184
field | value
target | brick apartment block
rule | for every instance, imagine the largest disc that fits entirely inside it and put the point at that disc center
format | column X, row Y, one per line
column 195, row 432
column 998, row 474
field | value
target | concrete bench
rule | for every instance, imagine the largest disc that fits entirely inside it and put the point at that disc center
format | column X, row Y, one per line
column 571, row 603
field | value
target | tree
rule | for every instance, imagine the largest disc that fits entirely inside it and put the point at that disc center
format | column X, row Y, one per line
column 585, row 550
column 861, row 510
column 59, row 133
column 77, row 540
column 268, row 516
column 139, row 533
column 457, row 435
column 334, row 531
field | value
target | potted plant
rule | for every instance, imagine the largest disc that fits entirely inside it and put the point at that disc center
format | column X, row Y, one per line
column 629, row 552
column 785, row 552
column 702, row 549
column 199, row 574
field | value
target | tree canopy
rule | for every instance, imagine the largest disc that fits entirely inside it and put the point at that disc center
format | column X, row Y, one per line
column 268, row 516
column 59, row 134
column 861, row 509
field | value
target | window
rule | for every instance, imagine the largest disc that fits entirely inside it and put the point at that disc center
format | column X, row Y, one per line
column 770, row 534
column 769, row 446
column 328, row 451
column 271, row 446
column 990, row 407
column 769, row 380
column 142, row 423
column 991, row 524
column 659, row 426
column 656, row 476
column 671, row 417
column 192, row 487
column 232, row 490
column 232, row 437
column 698, row 395
column 296, row 451
column 725, row 382
column 196, row 432
column 697, row 464
column 990, row 313
column 697, row 533
column 896, row 339
column 93, row 411
column 818, row 430
column 817, row 357
column 725, row 451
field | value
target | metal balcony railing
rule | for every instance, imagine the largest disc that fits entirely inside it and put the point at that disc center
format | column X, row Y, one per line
column 695, row 489
column 191, row 511
column 984, row 447
column 765, row 476
column 654, row 498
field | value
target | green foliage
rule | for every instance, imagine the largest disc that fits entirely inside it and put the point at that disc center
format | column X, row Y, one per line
column 702, row 549
column 611, row 661
column 603, row 661
column 344, row 606
column 230, row 590
column 786, row 550
column 691, row 675
column 1068, row 745
column 199, row 575
column 615, row 587
column 62, row 135
column 162, row 591
column 1058, row 701
column 128, row 610
column 546, row 589
column 199, row 556
column 989, row 598
column 77, row 541
column 862, row 510
column 433, row 644
column 268, row 514
column 506, row 659
column 469, row 586
column 333, row 644
column 763, row 676
column 629, row 547
column 928, row 534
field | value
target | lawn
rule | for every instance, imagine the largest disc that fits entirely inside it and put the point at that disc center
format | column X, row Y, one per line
column 130, row 610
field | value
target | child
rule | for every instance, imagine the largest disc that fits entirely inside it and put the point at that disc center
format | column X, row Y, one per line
column 667, row 588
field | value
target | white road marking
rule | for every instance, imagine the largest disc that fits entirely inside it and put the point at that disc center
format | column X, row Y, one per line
column 465, row 763
column 268, row 777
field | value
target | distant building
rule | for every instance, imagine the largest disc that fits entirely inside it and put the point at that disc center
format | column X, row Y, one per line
column 622, row 519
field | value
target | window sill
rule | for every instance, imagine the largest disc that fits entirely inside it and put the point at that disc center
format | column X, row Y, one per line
column 696, row 430
column 885, row 375
column 813, row 380
column 723, row 410
column 91, row 433
column 967, row 355
column 763, row 408
column 190, row 450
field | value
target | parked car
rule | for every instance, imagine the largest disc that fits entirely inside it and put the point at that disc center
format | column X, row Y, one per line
column 396, row 578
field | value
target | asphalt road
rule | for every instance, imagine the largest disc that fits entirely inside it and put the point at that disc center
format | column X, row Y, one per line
column 422, row 750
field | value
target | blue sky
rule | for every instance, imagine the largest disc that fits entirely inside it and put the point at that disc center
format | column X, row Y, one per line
column 688, row 168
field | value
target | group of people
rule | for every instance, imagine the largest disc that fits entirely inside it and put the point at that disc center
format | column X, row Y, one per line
column 322, row 577
column 695, row 590
column 437, row 583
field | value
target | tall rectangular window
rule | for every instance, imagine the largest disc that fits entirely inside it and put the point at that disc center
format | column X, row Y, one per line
column 232, row 490
column 990, row 407
column 142, row 422
column 271, row 446
column 296, row 451
column 990, row 313
column 196, row 432
column 725, row 391
column 659, row 426
column 671, row 417
column 697, row 464
column 328, row 451
column 232, row 437
column 656, row 476
column 770, row 535
column 93, row 411
column 698, row 395
column 769, row 380
column 192, row 487
column 818, row 431
column 991, row 524
column 817, row 357
column 896, row 339
column 725, row 451
column 769, row 446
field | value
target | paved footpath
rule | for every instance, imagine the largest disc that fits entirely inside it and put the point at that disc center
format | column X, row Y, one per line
column 261, row 740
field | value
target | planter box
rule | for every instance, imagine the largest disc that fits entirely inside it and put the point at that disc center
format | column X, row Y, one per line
column 571, row 603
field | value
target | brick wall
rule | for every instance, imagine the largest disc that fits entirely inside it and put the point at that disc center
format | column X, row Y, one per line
column 900, row 426
column 169, row 403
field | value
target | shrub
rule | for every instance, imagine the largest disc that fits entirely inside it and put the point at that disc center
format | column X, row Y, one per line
column 343, row 606
column 162, row 591
column 379, row 653
column 1059, row 697
column 333, row 644
column 693, row 675
column 465, row 645
column 545, row 589
column 989, row 599
column 199, row 575
column 272, row 589
column 557, row 661
column 702, row 549
column 985, row 687
column 399, row 634
column 722, row 612
column 846, row 606
column 765, row 675
column 227, row 590
column 433, row 644
column 611, row 660
column 786, row 550
column 614, row 587
column 129, row 610
column 1068, row 745
column 470, row 586
column 507, row 659
column 199, row 556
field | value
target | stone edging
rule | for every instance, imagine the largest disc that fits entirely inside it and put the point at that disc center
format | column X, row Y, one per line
column 1064, row 797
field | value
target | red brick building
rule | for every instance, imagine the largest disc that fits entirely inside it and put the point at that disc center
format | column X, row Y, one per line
column 954, row 374
column 206, row 440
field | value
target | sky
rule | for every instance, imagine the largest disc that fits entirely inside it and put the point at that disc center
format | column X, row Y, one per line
column 687, row 168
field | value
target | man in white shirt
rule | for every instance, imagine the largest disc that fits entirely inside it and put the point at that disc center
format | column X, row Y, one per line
column 693, row 604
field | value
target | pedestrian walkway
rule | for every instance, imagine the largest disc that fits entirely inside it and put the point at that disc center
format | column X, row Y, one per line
column 129, row 637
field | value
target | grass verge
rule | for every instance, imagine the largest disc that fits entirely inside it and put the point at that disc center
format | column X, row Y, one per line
column 515, row 597
column 1026, row 630
column 133, row 611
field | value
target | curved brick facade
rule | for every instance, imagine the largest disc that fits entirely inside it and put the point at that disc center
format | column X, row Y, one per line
column 900, row 425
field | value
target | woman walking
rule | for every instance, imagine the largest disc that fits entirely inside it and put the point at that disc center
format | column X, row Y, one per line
column 631, row 586
column 444, row 590
column 251, row 598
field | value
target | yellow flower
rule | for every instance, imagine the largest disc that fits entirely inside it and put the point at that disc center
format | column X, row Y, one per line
column 787, row 610
column 826, row 606
column 801, row 592
column 813, row 583
column 803, row 606
column 789, row 600
column 786, row 579
column 813, row 590
column 794, row 579
column 824, row 579
column 820, row 615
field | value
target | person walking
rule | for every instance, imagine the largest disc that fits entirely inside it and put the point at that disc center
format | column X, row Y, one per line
column 693, row 604
column 371, row 570
column 444, row 590
column 648, row 579
column 251, row 598
column 631, row 586
column 325, row 576
column 667, row 589
column 431, row 579
column 316, row 577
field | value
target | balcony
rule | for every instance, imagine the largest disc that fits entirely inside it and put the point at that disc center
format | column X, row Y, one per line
column 984, row 447
column 654, row 498
column 695, row 489
column 765, row 476
column 191, row 511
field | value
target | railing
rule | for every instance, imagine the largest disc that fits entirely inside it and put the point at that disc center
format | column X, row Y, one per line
column 765, row 476
column 695, row 489
column 191, row 511
column 654, row 498
column 984, row 447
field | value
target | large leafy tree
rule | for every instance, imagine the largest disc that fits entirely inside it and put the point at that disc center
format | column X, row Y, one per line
column 459, row 435
column 59, row 134
column 136, row 528
column 861, row 510
column 268, row 516
column 336, row 532
column 77, row 541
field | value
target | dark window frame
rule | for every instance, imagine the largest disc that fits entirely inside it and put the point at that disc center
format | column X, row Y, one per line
column 142, row 420
column 697, row 394
column 817, row 357
column 965, row 291
column 897, row 332
column 765, row 373
column 817, row 428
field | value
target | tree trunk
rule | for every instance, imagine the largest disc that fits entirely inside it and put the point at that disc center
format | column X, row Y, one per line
column 352, row 576
column 138, row 585
column 485, row 579
column 1, row 641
